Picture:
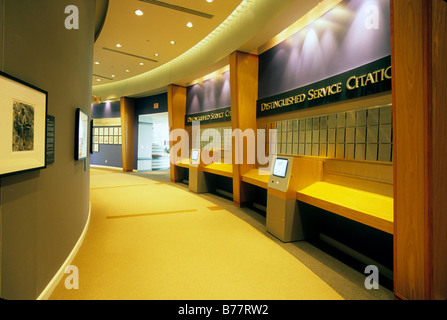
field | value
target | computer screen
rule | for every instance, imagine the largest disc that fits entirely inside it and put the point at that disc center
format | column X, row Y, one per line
column 195, row 155
column 280, row 168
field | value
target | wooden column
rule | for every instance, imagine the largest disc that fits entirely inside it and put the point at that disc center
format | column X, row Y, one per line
column 244, row 94
column 128, row 132
column 420, row 120
column 176, row 114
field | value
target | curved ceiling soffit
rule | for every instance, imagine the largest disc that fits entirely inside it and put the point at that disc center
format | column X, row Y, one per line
column 245, row 22
column 102, row 6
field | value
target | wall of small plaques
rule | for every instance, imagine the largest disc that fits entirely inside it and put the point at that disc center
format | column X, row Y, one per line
column 106, row 135
column 206, row 142
column 364, row 134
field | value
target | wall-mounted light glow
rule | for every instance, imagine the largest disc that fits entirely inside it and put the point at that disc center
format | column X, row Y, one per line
column 141, row 64
column 189, row 25
column 118, row 45
column 209, row 0
column 96, row 62
column 172, row 42
column 156, row 54
column 98, row 80
column 127, row 70
column 139, row 12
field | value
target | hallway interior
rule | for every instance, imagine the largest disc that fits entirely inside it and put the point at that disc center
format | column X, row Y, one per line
column 150, row 239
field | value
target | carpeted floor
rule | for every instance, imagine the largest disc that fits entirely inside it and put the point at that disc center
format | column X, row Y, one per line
column 150, row 239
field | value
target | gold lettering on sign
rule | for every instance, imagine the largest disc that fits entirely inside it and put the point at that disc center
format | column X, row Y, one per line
column 355, row 82
column 323, row 92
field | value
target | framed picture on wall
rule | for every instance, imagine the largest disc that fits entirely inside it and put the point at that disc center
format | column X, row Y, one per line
column 101, row 140
column 106, row 139
column 23, row 113
column 81, row 135
column 101, row 131
column 95, row 147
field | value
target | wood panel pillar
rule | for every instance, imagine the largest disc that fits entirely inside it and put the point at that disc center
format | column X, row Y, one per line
column 176, row 114
column 420, row 121
column 128, row 132
column 244, row 94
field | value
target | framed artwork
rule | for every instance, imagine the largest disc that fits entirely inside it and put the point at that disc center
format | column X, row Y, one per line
column 115, row 140
column 23, row 116
column 106, row 131
column 115, row 131
column 101, row 131
column 81, row 135
column 95, row 147
column 95, row 139
column 96, row 131
column 101, row 139
column 110, row 139
column 120, row 140
column 106, row 139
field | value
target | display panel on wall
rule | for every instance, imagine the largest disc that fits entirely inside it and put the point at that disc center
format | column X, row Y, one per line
column 81, row 141
column 106, row 135
column 363, row 134
column 23, row 111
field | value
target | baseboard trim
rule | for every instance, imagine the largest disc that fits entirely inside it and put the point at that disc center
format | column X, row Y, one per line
column 106, row 167
column 46, row 293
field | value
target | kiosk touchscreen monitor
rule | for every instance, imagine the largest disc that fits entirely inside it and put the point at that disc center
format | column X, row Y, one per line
column 195, row 155
column 280, row 167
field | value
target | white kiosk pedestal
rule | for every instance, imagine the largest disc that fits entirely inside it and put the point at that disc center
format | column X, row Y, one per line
column 283, row 218
column 197, row 182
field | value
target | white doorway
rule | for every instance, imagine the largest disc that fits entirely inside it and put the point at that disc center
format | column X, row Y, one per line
column 153, row 142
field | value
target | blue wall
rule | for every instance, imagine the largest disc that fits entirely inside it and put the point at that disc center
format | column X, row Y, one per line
column 106, row 110
column 209, row 95
column 110, row 152
column 337, row 42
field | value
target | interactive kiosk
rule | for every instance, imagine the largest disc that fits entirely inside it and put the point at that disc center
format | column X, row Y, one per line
column 197, row 182
column 283, row 218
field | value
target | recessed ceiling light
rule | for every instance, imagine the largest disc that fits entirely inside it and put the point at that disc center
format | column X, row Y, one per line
column 98, row 79
column 113, row 76
column 127, row 71
column 156, row 54
column 209, row 0
column 139, row 12
column 189, row 25
column 172, row 42
column 141, row 64
column 118, row 45
column 96, row 62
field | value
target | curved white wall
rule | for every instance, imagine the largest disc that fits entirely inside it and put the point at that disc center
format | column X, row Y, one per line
column 44, row 212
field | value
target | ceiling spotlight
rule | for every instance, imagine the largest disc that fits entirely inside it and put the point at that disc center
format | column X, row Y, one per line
column 98, row 80
column 141, row 64
column 127, row 71
column 113, row 76
column 118, row 45
column 156, row 54
column 96, row 62
column 173, row 42
column 209, row 0
column 138, row 12
column 189, row 25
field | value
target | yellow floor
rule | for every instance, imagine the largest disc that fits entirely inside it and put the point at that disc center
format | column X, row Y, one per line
column 152, row 240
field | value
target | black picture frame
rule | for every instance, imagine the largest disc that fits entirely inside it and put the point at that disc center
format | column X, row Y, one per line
column 82, row 141
column 23, row 116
